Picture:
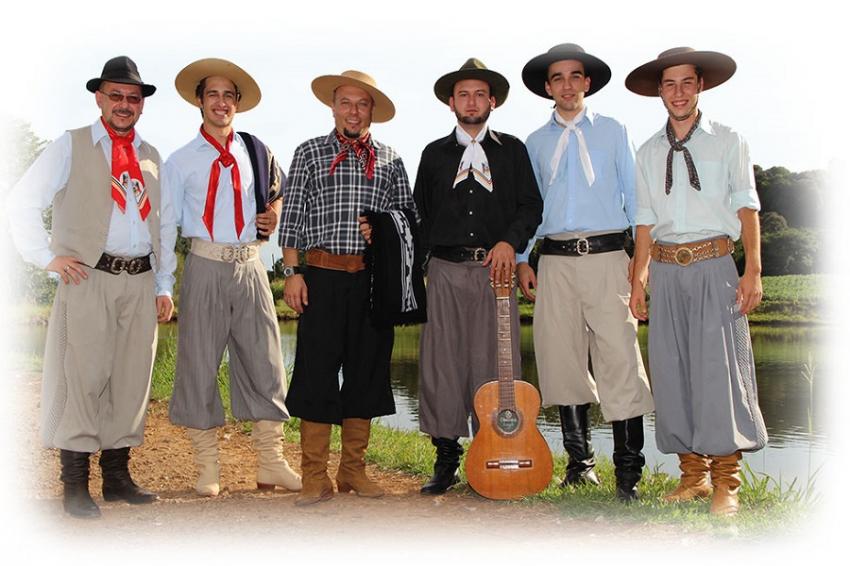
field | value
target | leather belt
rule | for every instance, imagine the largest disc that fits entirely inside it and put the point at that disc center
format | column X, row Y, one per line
column 351, row 263
column 115, row 265
column 686, row 254
column 458, row 254
column 228, row 253
column 584, row 246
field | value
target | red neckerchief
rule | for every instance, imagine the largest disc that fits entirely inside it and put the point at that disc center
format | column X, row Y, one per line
column 225, row 159
column 363, row 150
column 126, row 170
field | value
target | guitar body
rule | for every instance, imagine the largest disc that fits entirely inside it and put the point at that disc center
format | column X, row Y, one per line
column 508, row 457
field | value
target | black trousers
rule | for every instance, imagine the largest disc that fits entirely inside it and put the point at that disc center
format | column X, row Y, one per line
column 335, row 331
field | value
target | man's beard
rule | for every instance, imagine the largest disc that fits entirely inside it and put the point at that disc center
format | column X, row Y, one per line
column 350, row 135
column 473, row 120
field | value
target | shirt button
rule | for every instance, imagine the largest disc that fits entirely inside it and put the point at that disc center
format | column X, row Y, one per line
column 472, row 233
column 470, row 213
column 470, row 191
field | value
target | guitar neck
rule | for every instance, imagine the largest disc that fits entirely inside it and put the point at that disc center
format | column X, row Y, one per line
column 507, row 398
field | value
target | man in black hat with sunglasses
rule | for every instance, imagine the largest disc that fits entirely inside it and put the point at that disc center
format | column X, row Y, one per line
column 584, row 164
column 479, row 204
column 112, row 242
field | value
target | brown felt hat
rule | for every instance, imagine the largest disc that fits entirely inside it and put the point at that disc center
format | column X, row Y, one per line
column 192, row 74
column 472, row 69
column 716, row 68
column 324, row 87
column 536, row 72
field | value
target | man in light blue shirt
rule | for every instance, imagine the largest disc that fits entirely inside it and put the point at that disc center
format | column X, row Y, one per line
column 584, row 165
column 696, row 195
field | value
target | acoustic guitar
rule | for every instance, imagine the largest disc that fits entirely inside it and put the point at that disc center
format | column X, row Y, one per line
column 508, row 457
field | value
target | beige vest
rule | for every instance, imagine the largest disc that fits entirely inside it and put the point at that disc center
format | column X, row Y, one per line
column 81, row 211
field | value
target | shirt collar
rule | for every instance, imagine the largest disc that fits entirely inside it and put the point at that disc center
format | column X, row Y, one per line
column 705, row 125
column 98, row 132
column 331, row 139
column 589, row 117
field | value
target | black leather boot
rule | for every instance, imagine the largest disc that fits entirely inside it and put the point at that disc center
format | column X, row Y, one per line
column 117, row 483
column 628, row 458
column 449, row 452
column 76, row 499
column 576, row 432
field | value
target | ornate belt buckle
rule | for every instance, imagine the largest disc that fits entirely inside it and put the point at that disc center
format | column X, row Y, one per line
column 134, row 266
column 582, row 246
column 242, row 254
column 228, row 254
column 479, row 254
column 117, row 265
column 683, row 256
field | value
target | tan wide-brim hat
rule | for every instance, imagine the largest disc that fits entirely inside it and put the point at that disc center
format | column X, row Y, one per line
column 187, row 81
column 717, row 68
column 324, row 87
column 472, row 69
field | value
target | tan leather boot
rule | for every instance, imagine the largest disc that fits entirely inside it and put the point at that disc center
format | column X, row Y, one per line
column 695, row 480
column 205, row 446
column 272, row 468
column 315, row 449
column 352, row 467
column 726, row 478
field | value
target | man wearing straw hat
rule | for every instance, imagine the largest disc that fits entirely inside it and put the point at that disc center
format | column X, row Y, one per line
column 584, row 163
column 227, row 188
column 695, row 195
column 333, row 180
column 101, row 338
column 479, row 203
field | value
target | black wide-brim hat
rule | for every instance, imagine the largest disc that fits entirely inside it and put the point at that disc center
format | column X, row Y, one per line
column 473, row 69
column 536, row 72
column 716, row 69
column 121, row 70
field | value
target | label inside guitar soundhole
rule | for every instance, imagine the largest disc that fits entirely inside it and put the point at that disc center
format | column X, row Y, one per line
column 507, row 421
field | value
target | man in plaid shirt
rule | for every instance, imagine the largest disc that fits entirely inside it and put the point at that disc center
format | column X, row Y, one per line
column 333, row 180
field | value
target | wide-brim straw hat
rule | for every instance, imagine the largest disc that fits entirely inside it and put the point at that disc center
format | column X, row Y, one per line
column 716, row 68
column 187, row 81
column 325, row 85
column 476, row 70
column 536, row 72
column 121, row 70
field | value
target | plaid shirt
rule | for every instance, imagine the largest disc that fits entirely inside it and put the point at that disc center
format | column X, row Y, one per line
column 320, row 210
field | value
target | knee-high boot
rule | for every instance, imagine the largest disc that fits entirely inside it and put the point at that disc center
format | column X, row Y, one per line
column 449, row 452
column 576, row 432
column 272, row 467
column 75, row 480
column 316, row 485
column 352, row 466
column 628, row 456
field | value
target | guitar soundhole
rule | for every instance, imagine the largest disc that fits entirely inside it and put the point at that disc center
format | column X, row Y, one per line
column 507, row 422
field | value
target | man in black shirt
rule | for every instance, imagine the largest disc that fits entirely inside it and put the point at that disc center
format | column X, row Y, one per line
column 478, row 200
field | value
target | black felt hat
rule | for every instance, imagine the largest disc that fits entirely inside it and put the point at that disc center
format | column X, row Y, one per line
column 536, row 72
column 122, row 70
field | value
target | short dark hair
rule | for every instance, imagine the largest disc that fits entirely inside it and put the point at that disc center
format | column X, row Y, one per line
column 697, row 68
column 199, row 90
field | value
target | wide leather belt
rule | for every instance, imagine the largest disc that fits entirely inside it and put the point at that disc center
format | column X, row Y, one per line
column 115, row 265
column 584, row 246
column 686, row 254
column 458, row 254
column 352, row 263
column 228, row 253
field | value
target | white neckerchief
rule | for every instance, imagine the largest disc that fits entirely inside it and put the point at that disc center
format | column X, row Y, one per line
column 564, row 141
column 473, row 158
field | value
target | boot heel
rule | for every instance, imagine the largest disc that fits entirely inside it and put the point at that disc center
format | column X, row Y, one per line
column 344, row 487
column 265, row 486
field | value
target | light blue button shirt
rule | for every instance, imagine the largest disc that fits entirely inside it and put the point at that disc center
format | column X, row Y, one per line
column 727, row 181
column 569, row 204
column 188, row 174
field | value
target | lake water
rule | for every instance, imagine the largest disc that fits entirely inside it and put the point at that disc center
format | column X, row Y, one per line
column 794, row 415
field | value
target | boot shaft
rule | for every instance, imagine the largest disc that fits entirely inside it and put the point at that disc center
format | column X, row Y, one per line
column 75, row 467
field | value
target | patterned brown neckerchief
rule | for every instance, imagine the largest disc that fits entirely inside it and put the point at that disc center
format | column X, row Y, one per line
column 680, row 146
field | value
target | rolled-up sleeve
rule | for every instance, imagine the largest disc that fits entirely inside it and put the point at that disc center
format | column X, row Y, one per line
column 742, row 180
column 644, row 215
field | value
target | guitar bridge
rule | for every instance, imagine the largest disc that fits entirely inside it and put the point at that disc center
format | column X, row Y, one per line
column 508, row 464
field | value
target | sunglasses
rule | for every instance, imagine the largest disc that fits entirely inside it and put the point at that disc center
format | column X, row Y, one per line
column 118, row 97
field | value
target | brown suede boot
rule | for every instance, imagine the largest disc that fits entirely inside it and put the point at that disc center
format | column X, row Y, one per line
column 316, row 485
column 726, row 478
column 695, row 481
column 352, row 466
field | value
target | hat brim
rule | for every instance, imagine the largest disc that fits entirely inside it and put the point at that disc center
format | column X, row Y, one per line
column 93, row 85
column 499, row 86
column 188, row 79
column 536, row 72
column 717, row 68
column 324, row 87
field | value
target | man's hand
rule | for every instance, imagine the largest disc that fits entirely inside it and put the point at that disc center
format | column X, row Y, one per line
column 749, row 292
column 502, row 262
column 295, row 293
column 164, row 308
column 267, row 221
column 637, row 300
column 365, row 229
column 69, row 268
column 527, row 281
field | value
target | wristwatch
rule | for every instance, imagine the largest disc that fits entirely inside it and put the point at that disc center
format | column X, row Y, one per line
column 290, row 270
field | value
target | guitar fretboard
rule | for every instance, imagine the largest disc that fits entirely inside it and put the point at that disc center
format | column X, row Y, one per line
column 507, row 398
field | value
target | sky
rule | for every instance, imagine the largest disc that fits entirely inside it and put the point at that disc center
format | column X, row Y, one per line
column 787, row 97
